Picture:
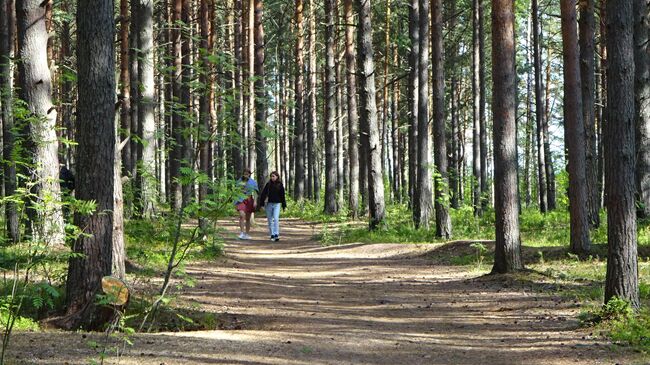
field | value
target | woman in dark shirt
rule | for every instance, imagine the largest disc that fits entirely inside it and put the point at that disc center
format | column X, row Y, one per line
column 272, row 197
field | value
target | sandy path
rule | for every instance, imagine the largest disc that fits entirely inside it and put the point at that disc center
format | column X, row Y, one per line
column 295, row 302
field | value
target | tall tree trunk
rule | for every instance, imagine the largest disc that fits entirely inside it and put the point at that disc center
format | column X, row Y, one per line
column 299, row 176
column 146, row 106
column 331, row 206
column 7, row 41
column 642, row 102
column 353, row 116
column 588, row 77
column 36, row 90
column 443, row 219
column 542, row 189
column 238, row 156
column 548, row 159
column 603, row 99
column 395, row 130
column 476, row 106
column 251, row 130
column 313, row 175
column 622, row 278
column 507, row 253
column 261, row 102
column 454, row 161
column 574, row 131
column 485, row 189
column 205, row 79
column 185, row 100
column 125, row 85
column 96, row 154
column 134, row 90
column 176, row 155
column 423, row 187
column 413, row 93
column 368, row 117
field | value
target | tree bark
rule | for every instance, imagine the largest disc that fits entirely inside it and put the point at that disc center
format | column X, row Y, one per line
column 642, row 102
column 507, row 254
column 205, row 123
column 331, row 206
column 96, row 169
column 368, row 117
column 443, row 219
column 125, row 85
column 413, row 94
column 574, row 132
column 35, row 83
column 476, row 106
column 423, row 187
column 353, row 116
column 261, row 98
column 542, row 189
column 7, row 42
column 622, row 278
column 588, row 77
column 482, row 122
column 299, row 187
column 312, row 129
column 146, row 104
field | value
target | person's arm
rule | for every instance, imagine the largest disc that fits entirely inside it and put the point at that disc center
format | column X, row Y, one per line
column 265, row 192
column 282, row 197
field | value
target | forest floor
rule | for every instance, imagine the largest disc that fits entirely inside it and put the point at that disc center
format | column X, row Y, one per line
column 298, row 302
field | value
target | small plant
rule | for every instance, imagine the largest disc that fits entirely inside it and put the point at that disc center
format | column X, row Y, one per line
column 480, row 253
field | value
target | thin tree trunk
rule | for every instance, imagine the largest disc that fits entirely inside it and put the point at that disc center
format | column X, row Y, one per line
column 312, row 131
column 476, row 106
column 588, row 77
column 146, row 106
column 353, row 116
column 443, row 219
column 7, row 42
column 574, row 131
column 413, row 94
column 125, row 85
column 368, row 117
column 507, row 253
column 642, row 102
column 423, row 188
column 622, row 278
column 485, row 189
column 238, row 158
column 261, row 103
column 331, row 206
column 542, row 189
column 299, row 176
column 205, row 79
column 549, row 170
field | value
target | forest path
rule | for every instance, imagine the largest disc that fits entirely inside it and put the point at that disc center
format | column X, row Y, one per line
column 297, row 302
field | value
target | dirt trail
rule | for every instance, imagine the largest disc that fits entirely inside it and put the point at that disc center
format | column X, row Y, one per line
column 296, row 302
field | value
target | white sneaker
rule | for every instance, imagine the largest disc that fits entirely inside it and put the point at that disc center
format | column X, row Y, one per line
column 246, row 237
column 242, row 236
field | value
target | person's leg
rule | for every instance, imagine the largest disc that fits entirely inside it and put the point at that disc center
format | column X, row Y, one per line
column 269, row 218
column 242, row 220
column 248, row 222
column 276, row 220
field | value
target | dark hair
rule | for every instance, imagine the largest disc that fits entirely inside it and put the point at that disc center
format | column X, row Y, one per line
column 278, row 181
column 245, row 170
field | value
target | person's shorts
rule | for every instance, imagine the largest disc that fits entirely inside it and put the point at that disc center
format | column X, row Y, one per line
column 247, row 205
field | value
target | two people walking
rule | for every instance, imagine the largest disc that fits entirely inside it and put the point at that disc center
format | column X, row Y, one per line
column 272, row 198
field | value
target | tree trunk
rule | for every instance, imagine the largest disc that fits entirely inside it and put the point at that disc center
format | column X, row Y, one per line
column 261, row 102
column 642, row 102
column 96, row 169
column 549, row 170
column 7, row 42
column 313, row 175
column 205, row 125
column 588, row 77
column 423, row 188
column 443, row 219
column 413, row 93
column 368, row 117
column 125, row 97
column 574, row 132
column 331, row 206
column 250, row 121
column 46, row 217
column 507, row 253
column 622, row 278
column 134, row 90
column 146, row 104
column 178, row 124
column 353, row 116
column 236, row 151
column 482, row 122
column 476, row 106
column 299, row 176
column 539, row 113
